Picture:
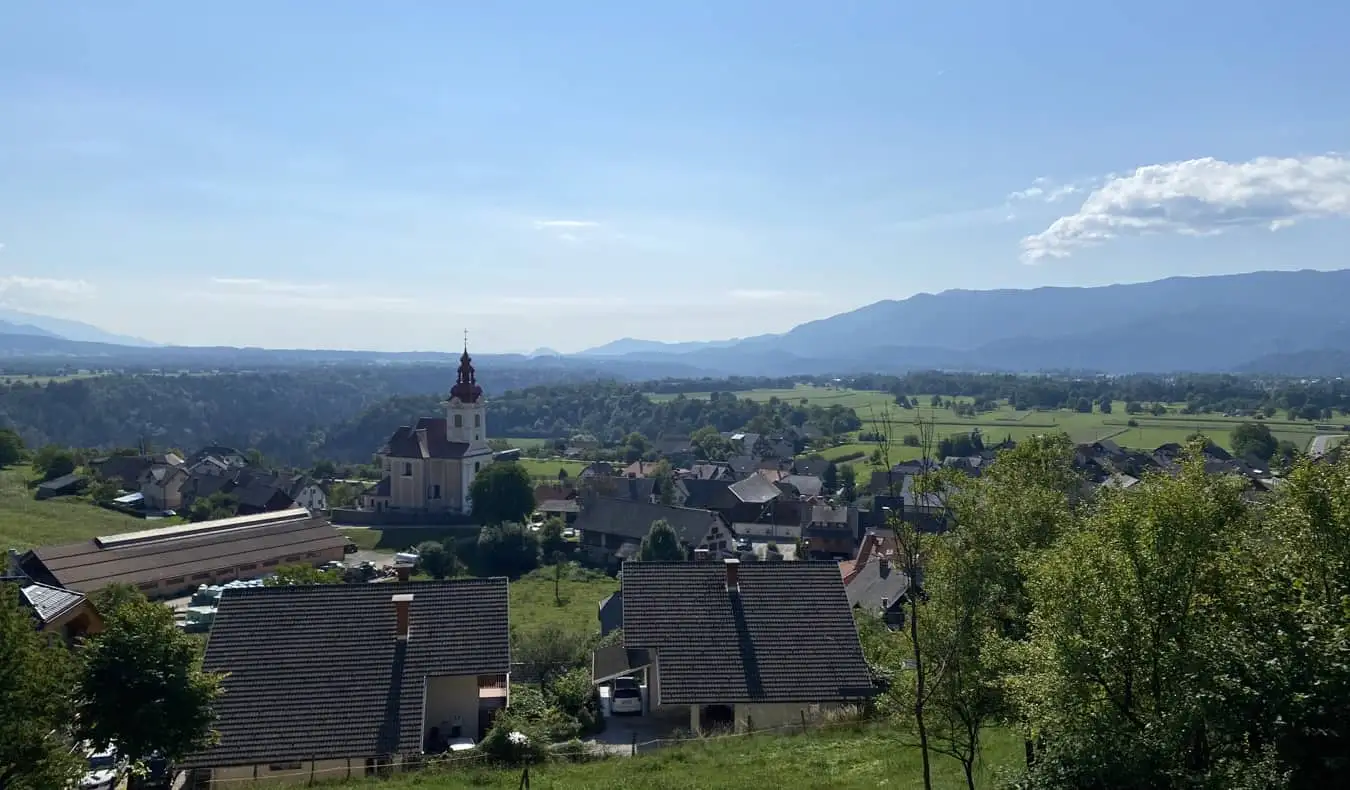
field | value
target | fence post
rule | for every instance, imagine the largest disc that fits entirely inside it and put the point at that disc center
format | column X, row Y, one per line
column 311, row 769
column 749, row 723
column 525, row 778
column 803, row 712
column 634, row 743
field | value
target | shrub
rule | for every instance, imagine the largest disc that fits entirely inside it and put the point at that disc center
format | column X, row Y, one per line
column 1133, row 423
column 515, row 741
column 849, row 457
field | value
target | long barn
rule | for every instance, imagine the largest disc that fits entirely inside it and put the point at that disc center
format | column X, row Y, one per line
column 172, row 561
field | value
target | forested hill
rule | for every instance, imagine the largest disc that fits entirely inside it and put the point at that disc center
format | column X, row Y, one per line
column 345, row 414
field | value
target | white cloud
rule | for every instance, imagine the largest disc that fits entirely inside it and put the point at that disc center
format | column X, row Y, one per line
column 18, row 289
column 1043, row 189
column 564, row 224
column 1200, row 197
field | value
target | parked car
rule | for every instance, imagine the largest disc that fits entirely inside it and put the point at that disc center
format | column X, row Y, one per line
column 626, row 697
column 103, row 772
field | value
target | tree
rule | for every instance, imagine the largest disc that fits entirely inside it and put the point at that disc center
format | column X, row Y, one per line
column 142, row 687
column 848, row 482
column 551, row 540
column 11, row 447
column 635, row 446
column 506, row 550
column 709, row 445
column 218, row 505
column 36, row 708
column 343, row 495
column 910, row 440
column 664, row 484
column 1133, row 407
column 550, row 650
column 662, row 544
column 52, row 462
column 103, row 491
column 1157, row 410
column 502, row 494
column 1255, row 439
column 1083, row 405
column 830, row 477
column 301, row 573
column 1105, row 404
column 436, row 558
column 323, row 470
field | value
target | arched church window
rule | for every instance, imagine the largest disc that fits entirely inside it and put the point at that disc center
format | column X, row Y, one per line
column 459, row 420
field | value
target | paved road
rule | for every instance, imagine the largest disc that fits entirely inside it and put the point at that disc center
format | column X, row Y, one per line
column 1321, row 444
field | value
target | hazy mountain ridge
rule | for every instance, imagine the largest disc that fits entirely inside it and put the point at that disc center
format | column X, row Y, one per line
column 66, row 329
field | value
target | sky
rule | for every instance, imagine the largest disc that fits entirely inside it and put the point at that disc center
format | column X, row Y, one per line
column 388, row 175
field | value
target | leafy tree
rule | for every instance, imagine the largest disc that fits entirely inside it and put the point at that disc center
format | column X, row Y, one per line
column 1157, row 410
column 848, row 482
column 1132, row 422
column 37, row 675
column 301, row 573
column 437, row 558
column 1255, row 439
column 52, row 462
column 661, row 544
column 1105, row 404
column 709, row 445
column 323, row 470
column 635, row 446
column 1083, row 405
column 342, row 495
column 1285, row 453
column 550, row 650
column 1133, row 407
column 1268, row 410
column 830, row 477
column 665, row 482
column 103, row 491
column 507, row 550
column 551, row 540
column 142, row 687
column 502, row 494
column 218, row 505
column 910, row 440
column 11, row 447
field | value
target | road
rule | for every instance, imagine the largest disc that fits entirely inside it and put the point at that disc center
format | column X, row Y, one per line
column 1321, row 444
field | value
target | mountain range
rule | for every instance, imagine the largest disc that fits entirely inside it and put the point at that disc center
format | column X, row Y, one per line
column 1292, row 323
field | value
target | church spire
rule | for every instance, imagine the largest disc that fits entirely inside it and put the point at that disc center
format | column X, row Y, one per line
column 466, row 382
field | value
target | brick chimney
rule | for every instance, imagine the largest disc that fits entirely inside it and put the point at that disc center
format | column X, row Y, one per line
column 702, row 555
column 403, row 572
column 884, row 564
column 402, row 603
column 733, row 575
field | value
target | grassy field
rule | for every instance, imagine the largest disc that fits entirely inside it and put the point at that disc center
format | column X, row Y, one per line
column 26, row 522
column 400, row 538
column 840, row 759
column 548, row 468
column 533, row 604
column 1006, row 422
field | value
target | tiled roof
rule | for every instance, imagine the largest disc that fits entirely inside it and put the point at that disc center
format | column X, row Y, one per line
column 786, row 636
column 615, row 660
column 708, row 494
column 755, row 490
column 633, row 520
column 559, row 506
column 315, row 671
column 46, row 601
column 806, row 466
column 806, row 485
column 870, row 583
column 196, row 548
column 426, row 439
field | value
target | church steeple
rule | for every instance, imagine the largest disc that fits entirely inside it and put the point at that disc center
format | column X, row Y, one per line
column 466, row 387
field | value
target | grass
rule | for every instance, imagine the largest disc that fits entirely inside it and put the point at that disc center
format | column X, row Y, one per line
column 846, row 758
column 26, row 522
column 533, row 604
column 547, row 468
column 395, row 539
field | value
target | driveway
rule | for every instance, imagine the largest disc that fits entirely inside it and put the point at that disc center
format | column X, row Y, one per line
column 1321, row 444
column 621, row 732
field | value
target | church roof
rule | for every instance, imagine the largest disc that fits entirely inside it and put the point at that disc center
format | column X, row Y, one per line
column 427, row 439
column 466, row 387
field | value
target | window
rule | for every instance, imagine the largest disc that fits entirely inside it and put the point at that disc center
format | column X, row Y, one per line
column 269, row 563
column 200, row 576
column 477, row 420
column 436, row 491
column 248, row 566
column 174, row 582
column 459, row 420
column 407, row 469
column 148, row 585
column 284, row 767
column 476, row 465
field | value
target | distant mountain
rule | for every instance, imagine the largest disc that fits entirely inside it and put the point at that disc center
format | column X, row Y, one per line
column 70, row 330
column 629, row 345
column 12, row 328
column 1224, row 323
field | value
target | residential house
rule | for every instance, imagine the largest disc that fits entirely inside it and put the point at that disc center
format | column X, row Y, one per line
column 806, row 486
column 597, row 469
column 65, row 613
column 61, row 486
column 126, row 470
column 230, row 457
column 429, row 467
column 876, row 543
column 613, row 528
column 208, row 465
column 878, row 586
column 707, row 494
column 754, row 498
column 815, row 467
column 161, row 486
column 711, row 471
column 754, row 646
column 832, row 531
column 327, row 682
column 639, row 469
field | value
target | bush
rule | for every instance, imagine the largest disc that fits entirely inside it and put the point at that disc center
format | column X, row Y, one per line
column 849, row 457
column 577, row 697
column 910, row 440
column 1133, row 423
column 514, row 741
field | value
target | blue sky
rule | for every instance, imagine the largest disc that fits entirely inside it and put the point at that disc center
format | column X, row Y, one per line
column 385, row 175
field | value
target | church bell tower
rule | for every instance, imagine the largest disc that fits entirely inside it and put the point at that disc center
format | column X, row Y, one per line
column 466, row 411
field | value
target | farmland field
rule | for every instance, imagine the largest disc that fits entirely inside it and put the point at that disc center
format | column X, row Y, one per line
column 26, row 522
column 541, row 468
column 1006, row 422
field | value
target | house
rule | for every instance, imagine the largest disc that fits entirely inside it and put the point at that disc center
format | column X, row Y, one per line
column 565, row 509
column 638, row 469
column 352, row 680
column 62, row 486
column 261, row 493
column 597, row 469
column 706, row 494
column 802, row 485
column 814, row 467
column 611, row 613
column 877, row 585
column 754, row 498
column 429, row 467
column 208, row 465
column 126, row 470
column 712, row 471
column 876, row 543
column 615, row 527
column 66, row 613
column 170, row 561
column 832, row 531
column 230, row 457
column 742, row 646
column 161, row 485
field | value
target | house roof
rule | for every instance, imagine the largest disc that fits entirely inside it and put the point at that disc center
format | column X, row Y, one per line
column 809, row 466
column 787, row 635
column 806, row 485
column 615, row 661
column 633, row 520
column 870, row 583
column 63, row 482
column 755, row 490
column 559, row 506
column 711, row 471
column 426, row 439
column 315, row 671
column 709, row 494
column 45, row 601
column 182, row 550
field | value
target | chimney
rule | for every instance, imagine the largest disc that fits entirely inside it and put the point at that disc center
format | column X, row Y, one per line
column 885, row 603
column 701, row 555
column 885, row 565
column 404, row 572
column 402, row 603
column 733, row 575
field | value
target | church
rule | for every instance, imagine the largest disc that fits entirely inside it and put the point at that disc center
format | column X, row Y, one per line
column 429, row 467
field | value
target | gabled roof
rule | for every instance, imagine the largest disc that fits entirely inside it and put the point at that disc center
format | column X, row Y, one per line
column 64, row 481
column 707, row 494
column 870, row 585
column 45, row 601
column 426, row 439
column 711, row 471
column 315, row 671
column 755, row 490
column 633, row 520
column 787, row 634
column 809, row 466
column 806, row 485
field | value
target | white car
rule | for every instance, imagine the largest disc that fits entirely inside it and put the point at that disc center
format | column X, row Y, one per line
column 569, row 533
column 102, row 773
column 626, row 697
